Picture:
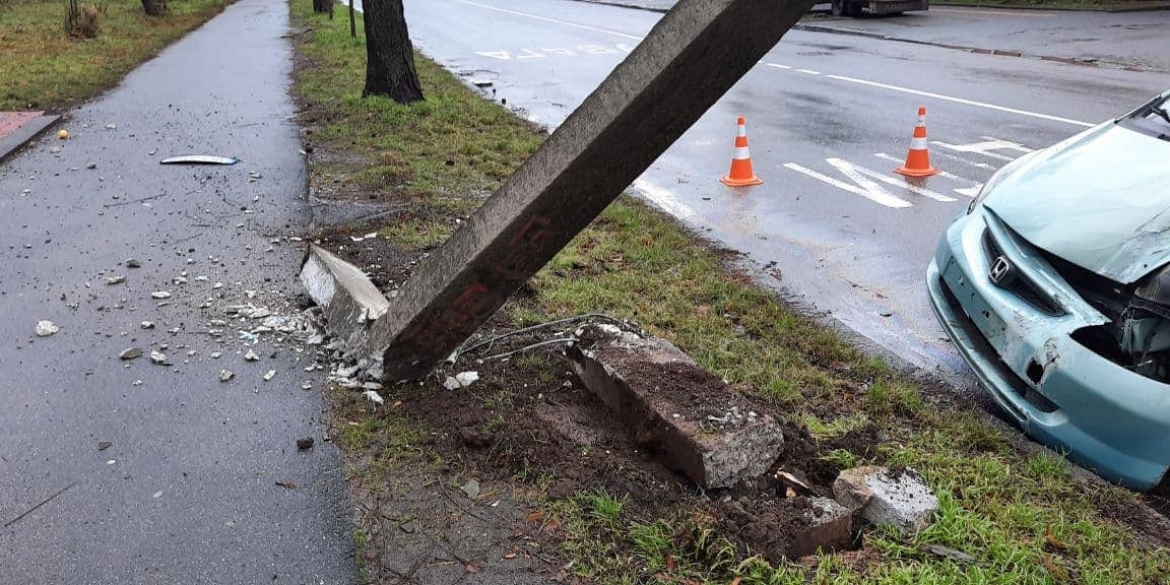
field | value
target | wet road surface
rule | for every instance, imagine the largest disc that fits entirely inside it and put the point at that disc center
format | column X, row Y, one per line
column 162, row 474
column 829, row 117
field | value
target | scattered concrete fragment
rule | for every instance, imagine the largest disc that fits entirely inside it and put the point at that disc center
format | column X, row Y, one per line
column 46, row 328
column 133, row 263
column 882, row 496
column 251, row 356
column 215, row 355
column 374, row 396
column 130, row 353
column 147, row 324
column 652, row 386
column 160, row 294
column 460, row 380
column 829, row 528
column 116, row 279
column 269, row 375
column 471, row 488
column 158, row 358
column 225, row 375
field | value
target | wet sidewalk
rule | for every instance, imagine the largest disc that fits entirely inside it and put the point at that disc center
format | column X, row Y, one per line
column 152, row 439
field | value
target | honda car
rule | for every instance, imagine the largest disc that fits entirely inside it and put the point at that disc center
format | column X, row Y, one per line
column 1055, row 287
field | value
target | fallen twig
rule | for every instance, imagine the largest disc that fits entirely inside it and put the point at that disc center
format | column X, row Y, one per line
column 34, row 508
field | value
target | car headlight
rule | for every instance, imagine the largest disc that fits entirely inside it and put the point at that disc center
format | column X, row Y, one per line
column 1155, row 287
column 1003, row 173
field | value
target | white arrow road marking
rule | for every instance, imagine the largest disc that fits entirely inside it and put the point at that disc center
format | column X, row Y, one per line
column 502, row 55
column 986, row 148
column 863, row 187
column 968, row 191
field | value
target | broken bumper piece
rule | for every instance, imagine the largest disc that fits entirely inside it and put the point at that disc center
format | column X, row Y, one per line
column 1105, row 417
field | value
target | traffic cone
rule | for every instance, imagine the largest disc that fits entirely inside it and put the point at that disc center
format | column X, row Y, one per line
column 918, row 159
column 741, row 174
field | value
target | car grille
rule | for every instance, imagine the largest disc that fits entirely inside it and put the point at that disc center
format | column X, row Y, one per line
column 1021, row 286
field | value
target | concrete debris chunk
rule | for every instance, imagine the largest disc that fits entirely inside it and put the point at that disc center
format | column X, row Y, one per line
column 158, row 357
column 471, row 488
column 160, row 294
column 130, row 353
column 269, row 375
column 251, row 356
column 900, row 498
column 461, row 380
column 116, row 279
column 374, row 397
column 147, row 324
column 649, row 383
column 225, row 375
column 828, row 528
column 133, row 263
column 46, row 328
column 349, row 300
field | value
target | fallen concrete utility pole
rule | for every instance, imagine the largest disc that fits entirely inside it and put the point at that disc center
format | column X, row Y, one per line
column 691, row 58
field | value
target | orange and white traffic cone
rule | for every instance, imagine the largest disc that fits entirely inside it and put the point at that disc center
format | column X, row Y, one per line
column 741, row 174
column 918, row 158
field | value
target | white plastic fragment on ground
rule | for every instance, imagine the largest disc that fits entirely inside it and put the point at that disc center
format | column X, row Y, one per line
column 199, row 159
column 374, row 396
column 46, row 328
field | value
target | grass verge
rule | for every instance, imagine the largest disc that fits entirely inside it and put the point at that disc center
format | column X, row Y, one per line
column 43, row 68
column 1022, row 516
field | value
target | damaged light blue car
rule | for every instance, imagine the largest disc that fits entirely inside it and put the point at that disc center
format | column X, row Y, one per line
column 1055, row 287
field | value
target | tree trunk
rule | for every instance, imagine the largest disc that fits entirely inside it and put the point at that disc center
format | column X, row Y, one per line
column 352, row 24
column 323, row 6
column 389, row 55
column 154, row 7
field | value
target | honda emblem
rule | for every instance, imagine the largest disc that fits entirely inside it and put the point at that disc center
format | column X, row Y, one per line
column 1001, row 271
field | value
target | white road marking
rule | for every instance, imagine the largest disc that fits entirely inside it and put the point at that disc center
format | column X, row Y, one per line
column 957, row 158
column 809, row 71
column 986, row 148
column 961, row 101
column 529, row 54
column 868, row 189
column 778, row 66
column 967, row 191
column 899, row 182
column 501, row 55
column 553, row 20
column 664, row 199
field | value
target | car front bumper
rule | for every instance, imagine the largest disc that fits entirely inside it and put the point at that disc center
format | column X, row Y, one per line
column 1063, row 394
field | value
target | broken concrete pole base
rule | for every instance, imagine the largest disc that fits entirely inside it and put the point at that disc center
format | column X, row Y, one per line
column 882, row 496
column 689, row 417
column 349, row 301
column 790, row 528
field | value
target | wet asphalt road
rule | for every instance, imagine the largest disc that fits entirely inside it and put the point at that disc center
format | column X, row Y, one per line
column 829, row 116
column 185, row 492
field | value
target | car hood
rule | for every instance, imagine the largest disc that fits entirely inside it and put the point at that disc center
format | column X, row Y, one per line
column 1100, row 200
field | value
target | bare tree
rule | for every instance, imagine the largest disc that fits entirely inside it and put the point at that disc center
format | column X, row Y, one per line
column 389, row 55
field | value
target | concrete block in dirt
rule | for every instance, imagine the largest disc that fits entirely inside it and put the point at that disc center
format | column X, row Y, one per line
column 791, row 528
column 351, row 303
column 691, row 419
column 882, row 496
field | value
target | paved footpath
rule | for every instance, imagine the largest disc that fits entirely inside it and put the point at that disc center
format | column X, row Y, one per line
column 127, row 471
